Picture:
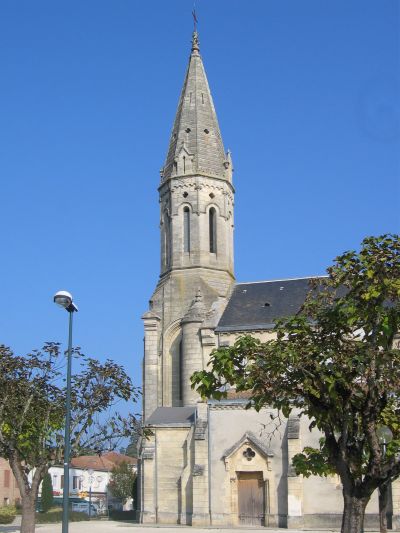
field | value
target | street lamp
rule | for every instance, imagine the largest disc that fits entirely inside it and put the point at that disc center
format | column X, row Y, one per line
column 90, row 479
column 385, row 436
column 64, row 299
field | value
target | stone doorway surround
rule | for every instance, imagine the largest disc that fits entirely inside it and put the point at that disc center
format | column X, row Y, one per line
column 250, row 455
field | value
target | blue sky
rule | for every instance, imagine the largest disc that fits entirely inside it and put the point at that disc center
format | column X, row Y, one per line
column 307, row 95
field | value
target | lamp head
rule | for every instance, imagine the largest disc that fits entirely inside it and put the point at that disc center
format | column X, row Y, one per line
column 384, row 435
column 64, row 299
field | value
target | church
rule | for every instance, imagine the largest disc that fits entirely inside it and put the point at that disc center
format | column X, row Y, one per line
column 215, row 462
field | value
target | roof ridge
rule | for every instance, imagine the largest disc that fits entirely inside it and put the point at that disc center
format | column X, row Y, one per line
column 281, row 279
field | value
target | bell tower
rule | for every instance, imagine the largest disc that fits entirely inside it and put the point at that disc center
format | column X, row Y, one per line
column 196, row 198
column 196, row 193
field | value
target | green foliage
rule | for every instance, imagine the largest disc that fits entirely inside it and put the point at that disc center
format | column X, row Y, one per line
column 7, row 514
column 32, row 409
column 336, row 362
column 55, row 515
column 314, row 461
column 122, row 480
column 47, row 493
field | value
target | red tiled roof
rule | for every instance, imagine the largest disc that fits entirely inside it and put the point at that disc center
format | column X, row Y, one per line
column 105, row 462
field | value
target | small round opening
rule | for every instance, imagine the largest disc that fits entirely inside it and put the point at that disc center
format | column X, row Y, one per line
column 267, row 304
column 206, row 131
column 188, row 130
column 185, row 194
column 212, row 195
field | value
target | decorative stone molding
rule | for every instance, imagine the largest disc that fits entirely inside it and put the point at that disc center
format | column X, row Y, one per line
column 198, row 470
column 248, row 440
column 148, row 453
column 207, row 337
column 293, row 427
column 200, row 429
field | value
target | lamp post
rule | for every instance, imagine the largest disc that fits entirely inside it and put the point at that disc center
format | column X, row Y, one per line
column 91, row 478
column 64, row 299
column 385, row 436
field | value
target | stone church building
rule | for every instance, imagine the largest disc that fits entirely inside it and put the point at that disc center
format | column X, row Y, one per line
column 214, row 463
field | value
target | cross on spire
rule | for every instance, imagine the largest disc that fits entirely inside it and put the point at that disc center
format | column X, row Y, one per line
column 195, row 21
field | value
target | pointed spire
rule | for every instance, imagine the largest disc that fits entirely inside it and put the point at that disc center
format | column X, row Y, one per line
column 195, row 144
column 197, row 310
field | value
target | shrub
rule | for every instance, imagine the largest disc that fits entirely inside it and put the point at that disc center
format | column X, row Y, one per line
column 7, row 514
column 47, row 493
column 55, row 515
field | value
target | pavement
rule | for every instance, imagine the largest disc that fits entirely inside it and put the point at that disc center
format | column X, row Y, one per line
column 108, row 526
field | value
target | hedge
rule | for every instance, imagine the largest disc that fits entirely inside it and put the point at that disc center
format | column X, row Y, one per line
column 7, row 514
column 55, row 515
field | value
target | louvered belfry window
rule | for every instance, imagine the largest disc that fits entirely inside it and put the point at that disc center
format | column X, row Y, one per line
column 213, row 230
column 186, row 229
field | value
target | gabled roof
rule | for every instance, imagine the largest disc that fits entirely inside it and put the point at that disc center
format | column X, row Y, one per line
column 257, row 305
column 196, row 126
column 251, row 438
column 104, row 462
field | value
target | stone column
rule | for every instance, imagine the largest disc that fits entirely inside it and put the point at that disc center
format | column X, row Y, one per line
column 147, row 480
column 295, row 483
column 201, row 514
column 150, row 370
column 192, row 351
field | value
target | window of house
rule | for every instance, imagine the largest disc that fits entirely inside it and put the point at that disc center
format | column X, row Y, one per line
column 62, row 482
column 76, row 482
column 7, row 478
column 212, row 220
column 186, row 229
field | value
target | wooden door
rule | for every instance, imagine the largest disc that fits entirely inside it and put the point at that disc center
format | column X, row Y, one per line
column 251, row 498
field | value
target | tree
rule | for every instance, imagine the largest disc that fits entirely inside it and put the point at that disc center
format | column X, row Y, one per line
column 47, row 493
column 122, row 481
column 335, row 361
column 32, row 408
column 131, row 449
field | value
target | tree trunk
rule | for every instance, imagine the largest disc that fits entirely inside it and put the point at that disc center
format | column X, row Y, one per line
column 353, row 514
column 28, row 514
column 383, row 507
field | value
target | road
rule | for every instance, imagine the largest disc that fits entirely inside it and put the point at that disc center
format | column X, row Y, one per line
column 121, row 527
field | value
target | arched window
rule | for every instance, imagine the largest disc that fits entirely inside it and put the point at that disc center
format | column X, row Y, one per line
column 186, row 229
column 212, row 221
column 166, row 240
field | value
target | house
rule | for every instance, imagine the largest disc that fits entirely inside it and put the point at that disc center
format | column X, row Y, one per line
column 9, row 493
column 89, row 477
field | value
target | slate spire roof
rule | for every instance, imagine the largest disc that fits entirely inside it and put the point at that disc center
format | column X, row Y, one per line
column 196, row 133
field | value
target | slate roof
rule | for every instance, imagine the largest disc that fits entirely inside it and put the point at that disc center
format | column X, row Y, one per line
column 256, row 306
column 172, row 416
